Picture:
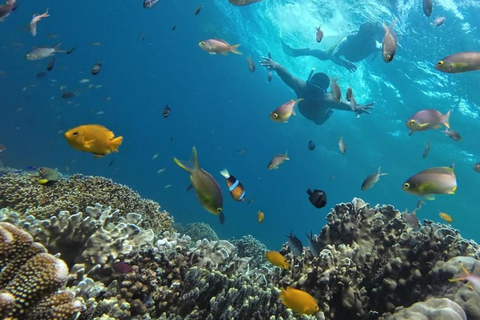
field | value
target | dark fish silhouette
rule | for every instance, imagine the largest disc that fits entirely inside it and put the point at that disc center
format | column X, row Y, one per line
column 166, row 111
column 311, row 145
column 295, row 244
column 317, row 197
column 51, row 64
column 96, row 68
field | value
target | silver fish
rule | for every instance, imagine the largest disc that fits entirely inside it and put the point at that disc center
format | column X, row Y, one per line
column 39, row 53
column 372, row 179
column 389, row 43
column 349, row 94
column 314, row 245
column 453, row 134
column 341, row 146
column 336, row 92
column 277, row 161
column 295, row 244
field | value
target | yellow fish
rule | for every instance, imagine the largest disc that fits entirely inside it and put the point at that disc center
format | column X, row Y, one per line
column 299, row 300
column 206, row 187
column 93, row 138
column 445, row 217
column 260, row 216
column 285, row 111
column 277, row 259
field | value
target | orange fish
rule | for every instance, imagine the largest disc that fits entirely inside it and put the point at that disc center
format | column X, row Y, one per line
column 445, row 217
column 214, row 46
column 237, row 191
column 299, row 300
column 93, row 138
column 275, row 258
column 36, row 18
column 260, row 216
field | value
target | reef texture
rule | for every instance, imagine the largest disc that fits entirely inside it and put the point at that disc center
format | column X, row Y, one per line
column 30, row 279
column 21, row 193
column 372, row 265
column 372, row 262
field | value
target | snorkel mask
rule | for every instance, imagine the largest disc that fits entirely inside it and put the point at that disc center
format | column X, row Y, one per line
column 317, row 83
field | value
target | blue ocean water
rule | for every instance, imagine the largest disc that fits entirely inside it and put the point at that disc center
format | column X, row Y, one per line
column 220, row 107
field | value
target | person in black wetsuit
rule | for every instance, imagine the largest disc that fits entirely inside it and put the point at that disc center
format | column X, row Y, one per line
column 353, row 48
column 317, row 104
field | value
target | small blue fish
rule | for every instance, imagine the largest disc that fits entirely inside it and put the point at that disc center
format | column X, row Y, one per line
column 295, row 244
column 313, row 244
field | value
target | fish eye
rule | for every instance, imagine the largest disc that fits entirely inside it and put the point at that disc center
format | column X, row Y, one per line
column 406, row 185
column 219, row 210
column 412, row 121
column 275, row 115
column 440, row 62
column 202, row 42
column 75, row 133
column 389, row 57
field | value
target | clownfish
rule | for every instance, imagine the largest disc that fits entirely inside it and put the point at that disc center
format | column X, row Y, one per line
column 237, row 191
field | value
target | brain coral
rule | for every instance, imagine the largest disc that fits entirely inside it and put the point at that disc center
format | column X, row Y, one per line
column 22, row 193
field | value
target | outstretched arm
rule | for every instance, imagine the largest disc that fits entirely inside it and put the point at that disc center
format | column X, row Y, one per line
column 293, row 82
column 346, row 106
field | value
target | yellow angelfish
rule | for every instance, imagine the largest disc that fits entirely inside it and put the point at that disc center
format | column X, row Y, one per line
column 93, row 138
column 206, row 187
column 299, row 300
column 277, row 259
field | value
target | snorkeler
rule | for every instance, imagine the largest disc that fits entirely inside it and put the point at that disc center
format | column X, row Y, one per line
column 353, row 48
column 317, row 104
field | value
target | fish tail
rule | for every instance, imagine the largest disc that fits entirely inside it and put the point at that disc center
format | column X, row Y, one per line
column 467, row 273
column 191, row 165
column 115, row 143
column 234, row 48
column 283, row 293
column 225, row 173
column 446, row 119
column 57, row 48
column 285, row 156
column 380, row 172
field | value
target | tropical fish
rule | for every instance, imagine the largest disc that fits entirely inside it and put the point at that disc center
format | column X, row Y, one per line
column 354, row 105
column 295, row 244
column 313, row 244
column 51, row 64
column 277, row 161
column 426, row 150
column 372, row 179
column 445, row 217
column 251, row 64
column 336, row 92
column 6, row 9
column 47, row 175
column 317, row 197
column 473, row 279
column 260, row 216
column 36, row 18
column 349, row 94
column 427, row 119
column 270, row 76
column 241, row 3
column 438, row 21
column 39, row 53
column 411, row 218
column 237, row 191
column 341, row 146
column 438, row 180
column 68, row 94
column 427, row 7
column 311, row 145
column 299, row 300
column 96, row 68
column 460, row 62
column 206, row 187
column 197, row 11
column 285, row 111
column 214, row 46
column 150, row 3
column 166, row 111
column 93, row 138
column 453, row 134
column 277, row 259
column 389, row 43
column 319, row 34
column 476, row 167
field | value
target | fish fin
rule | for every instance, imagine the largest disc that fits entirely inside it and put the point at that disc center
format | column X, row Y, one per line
column 191, row 165
column 43, row 181
column 410, row 133
column 379, row 171
column 224, row 53
column 225, row 173
column 309, row 191
column 430, row 197
column 56, row 48
column 88, row 144
column 190, row 187
column 98, row 155
column 446, row 119
column 115, row 143
column 234, row 48
column 453, row 190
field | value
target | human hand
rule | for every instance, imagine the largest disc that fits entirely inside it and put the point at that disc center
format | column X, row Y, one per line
column 351, row 67
column 363, row 109
column 269, row 63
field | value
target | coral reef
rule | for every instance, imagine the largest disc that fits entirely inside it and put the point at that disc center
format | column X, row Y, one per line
column 91, row 239
column 249, row 247
column 22, row 193
column 30, row 279
column 432, row 309
column 198, row 231
column 372, row 262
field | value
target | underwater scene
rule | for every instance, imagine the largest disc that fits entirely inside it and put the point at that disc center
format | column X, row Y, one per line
column 240, row 159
